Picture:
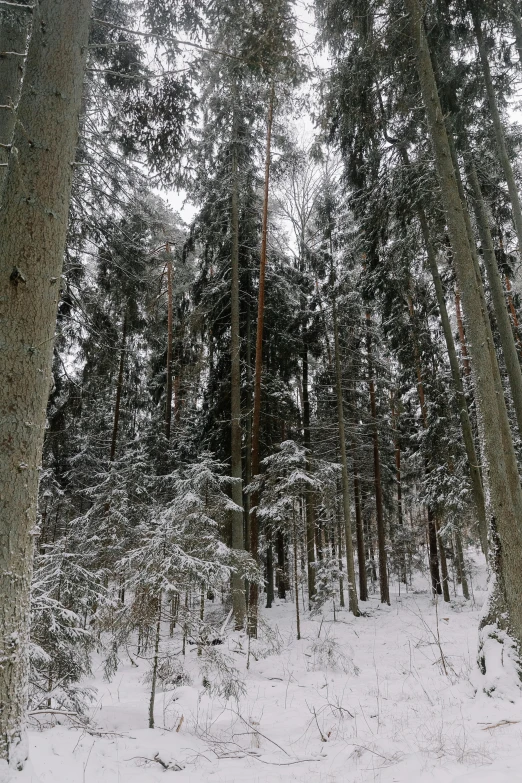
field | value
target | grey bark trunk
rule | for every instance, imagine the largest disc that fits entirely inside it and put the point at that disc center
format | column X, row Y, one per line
column 503, row 479
column 517, row 27
column 33, row 225
column 379, row 507
column 350, row 566
column 497, row 125
column 477, row 488
column 505, row 330
column 14, row 24
column 238, row 542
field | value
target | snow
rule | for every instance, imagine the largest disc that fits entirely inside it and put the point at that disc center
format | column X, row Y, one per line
column 359, row 700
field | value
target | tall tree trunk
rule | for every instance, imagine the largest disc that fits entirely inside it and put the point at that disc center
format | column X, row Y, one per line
column 359, row 526
column 462, row 335
column 256, row 418
column 517, row 27
column 497, row 124
column 379, row 508
column 14, row 23
column 443, row 565
column 461, row 568
column 512, row 310
column 238, row 542
column 503, row 479
column 155, row 663
column 168, row 409
column 281, row 565
column 477, row 488
column 311, row 531
column 432, row 533
column 119, row 388
column 504, row 327
column 33, row 225
column 350, row 566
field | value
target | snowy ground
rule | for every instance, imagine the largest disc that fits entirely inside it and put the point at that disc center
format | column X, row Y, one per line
column 387, row 711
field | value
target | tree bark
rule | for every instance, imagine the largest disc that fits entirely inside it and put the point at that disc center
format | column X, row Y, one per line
column 238, row 542
column 256, row 418
column 119, row 387
column 504, row 484
column 497, row 124
column 504, row 327
column 350, row 566
column 359, row 526
column 477, row 488
column 14, row 25
column 33, row 225
column 517, row 27
column 462, row 335
column 379, row 508
column 168, row 409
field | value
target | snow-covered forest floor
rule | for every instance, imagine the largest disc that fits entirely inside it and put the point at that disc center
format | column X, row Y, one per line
column 391, row 696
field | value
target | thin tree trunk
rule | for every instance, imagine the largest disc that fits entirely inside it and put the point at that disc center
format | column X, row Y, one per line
column 256, row 419
column 350, row 566
column 14, row 25
column 33, row 225
column 443, row 565
column 517, row 27
column 512, row 310
column 338, row 549
column 379, row 508
column 497, row 124
column 269, row 567
column 296, row 582
column 462, row 335
column 155, row 661
column 168, row 410
column 281, row 569
column 359, row 527
column 461, row 565
column 311, row 528
column 503, row 479
column 238, row 543
column 504, row 327
column 119, row 387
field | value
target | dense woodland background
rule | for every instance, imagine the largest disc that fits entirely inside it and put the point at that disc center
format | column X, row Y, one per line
column 285, row 394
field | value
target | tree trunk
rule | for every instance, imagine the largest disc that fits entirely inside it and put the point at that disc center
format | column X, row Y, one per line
column 168, row 409
column 359, row 526
column 33, row 225
column 461, row 568
column 443, row 565
column 462, row 335
column 281, row 565
column 14, row 24
column 379, row 509
column 155, row 661
column 477, row 488
column 436, row 585
column 269, row 567
column 497, row 125
column 350, row 566
column 296, row 581
column 256, row 418
column 310, row 528
column 504, row 484
column 119, row 387
column 517, row 27
column 238, row 542
column 504, row 327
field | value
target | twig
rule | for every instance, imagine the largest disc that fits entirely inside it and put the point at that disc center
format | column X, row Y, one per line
column 500, row 723
column 258, row 732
